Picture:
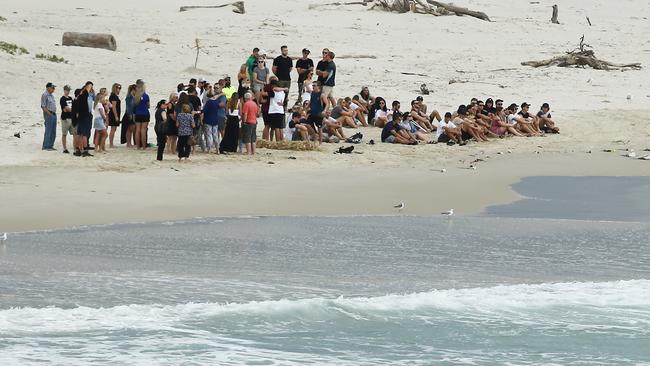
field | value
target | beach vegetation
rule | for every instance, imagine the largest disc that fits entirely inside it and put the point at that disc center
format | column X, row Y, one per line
column 2, row 19
column 51, row 58
column 12, row 48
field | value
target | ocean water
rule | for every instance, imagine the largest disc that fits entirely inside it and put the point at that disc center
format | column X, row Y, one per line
column 329, row 291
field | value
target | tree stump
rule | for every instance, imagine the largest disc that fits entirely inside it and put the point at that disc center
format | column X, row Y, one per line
column 554, row 16
column 93, row 40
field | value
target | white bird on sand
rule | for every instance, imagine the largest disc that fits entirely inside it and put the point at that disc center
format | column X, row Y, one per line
column 3, row 237
column 400, row 206
column 448, row 213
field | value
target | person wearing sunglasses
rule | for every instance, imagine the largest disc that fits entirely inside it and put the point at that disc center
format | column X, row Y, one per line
column 261, row 76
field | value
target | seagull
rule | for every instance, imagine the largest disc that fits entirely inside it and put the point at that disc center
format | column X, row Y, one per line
column 400, row 206
column 3, row 237
column 448, row 213
column 443, row 170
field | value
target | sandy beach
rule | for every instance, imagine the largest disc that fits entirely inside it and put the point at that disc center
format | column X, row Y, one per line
column 43, row 190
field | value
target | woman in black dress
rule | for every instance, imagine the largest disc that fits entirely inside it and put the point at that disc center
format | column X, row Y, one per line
column 172, row 130
column 114, row 112
column 230, row 139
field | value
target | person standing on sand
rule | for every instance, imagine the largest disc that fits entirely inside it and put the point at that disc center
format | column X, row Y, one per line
column 317, row 105
column 142, row 115
column 171, row 131
column 277, row 98
column 231, row 133
column 211, row 123
column 328, row 77
column 128, row 124
column 250, row 111
column 282, row 66
column 261, row 76
column 48, row 106
column 100, row 123
column 251, row 62
column 185, row 124
column 304, row 66
column 160, row 128
column 66, row 118
column 84, row 119
column 114, row 112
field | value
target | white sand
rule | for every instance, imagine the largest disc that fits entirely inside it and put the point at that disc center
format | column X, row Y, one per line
column 47, row 189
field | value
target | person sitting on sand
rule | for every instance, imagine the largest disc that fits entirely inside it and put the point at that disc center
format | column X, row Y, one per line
column 414, row 130
column 423, row 107
column 299, row 127
column 379, row 113
column 307, row 86
column 393, row 133
column 448, row 132
column 421, row 119
column 343, row 115
column 357, row 112
column 518, row 122
column 545, row 121
column 467, row 125
column 332, row 128
column 524, row 112
column 500, row 127
column 394, row 108
column 365, row 99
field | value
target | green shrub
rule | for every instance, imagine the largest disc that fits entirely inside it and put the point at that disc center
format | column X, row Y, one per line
column 51, row 58
column 12, row 49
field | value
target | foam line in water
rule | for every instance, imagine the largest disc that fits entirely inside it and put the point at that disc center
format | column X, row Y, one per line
column 520, row 298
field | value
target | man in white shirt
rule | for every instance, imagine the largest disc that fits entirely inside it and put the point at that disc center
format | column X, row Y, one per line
column 448, row 132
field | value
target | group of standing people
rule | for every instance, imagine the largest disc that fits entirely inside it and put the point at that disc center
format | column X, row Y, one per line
column 87, row 109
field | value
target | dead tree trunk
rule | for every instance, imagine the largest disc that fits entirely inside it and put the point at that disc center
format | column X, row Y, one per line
column 459, row 10
column 554, row 17
column 94, row 40
column 239, row 7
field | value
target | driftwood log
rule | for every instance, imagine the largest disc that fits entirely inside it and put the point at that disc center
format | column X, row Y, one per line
column 416, row 6
column 554, row 16
column 582, row 57
column 459, row 10
column 239, row 7
column 94, row 40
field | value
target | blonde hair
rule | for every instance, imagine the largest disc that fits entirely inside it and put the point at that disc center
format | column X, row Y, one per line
column 115, row 87
column 186, row 108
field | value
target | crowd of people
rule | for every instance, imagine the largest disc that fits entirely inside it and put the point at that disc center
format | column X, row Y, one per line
column 219, row 118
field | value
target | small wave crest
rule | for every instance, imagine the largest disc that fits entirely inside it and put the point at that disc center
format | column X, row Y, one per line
column 519, row 298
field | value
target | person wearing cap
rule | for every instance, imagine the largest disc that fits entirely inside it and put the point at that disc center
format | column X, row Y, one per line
column 251, row 62
column 545, row 121
column 228, row 90
column 66, row 118
column 518, row 122
column 48, row 105
column 529, row 117
column 303, row 66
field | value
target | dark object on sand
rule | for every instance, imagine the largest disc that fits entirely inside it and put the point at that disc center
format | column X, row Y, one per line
column 345, row 150
column 239, row 7
column 554, row 17
column 581, row 57
column 93, row 40
column 424, row 90
column 17, row 134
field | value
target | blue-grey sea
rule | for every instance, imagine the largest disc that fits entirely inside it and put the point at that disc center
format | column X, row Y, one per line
column 518, row 285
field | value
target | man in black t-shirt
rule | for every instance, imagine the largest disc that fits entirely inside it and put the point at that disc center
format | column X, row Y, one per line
column 303, row 66
column 66, row 118
column 282, row 66
column 322, row 66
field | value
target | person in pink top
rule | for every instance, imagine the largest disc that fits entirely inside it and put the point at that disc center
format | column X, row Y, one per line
column 249, row 114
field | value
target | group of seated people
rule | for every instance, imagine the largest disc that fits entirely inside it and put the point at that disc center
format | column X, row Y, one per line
column 476, row 121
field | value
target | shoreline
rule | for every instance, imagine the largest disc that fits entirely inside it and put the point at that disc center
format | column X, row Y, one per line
column 359, row 190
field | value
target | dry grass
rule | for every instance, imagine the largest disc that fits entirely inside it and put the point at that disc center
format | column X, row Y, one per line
column 288, row 145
